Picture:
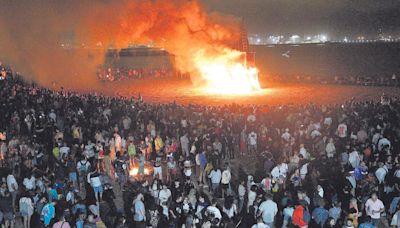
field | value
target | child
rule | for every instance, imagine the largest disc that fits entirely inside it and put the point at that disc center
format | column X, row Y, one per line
column 141, row 164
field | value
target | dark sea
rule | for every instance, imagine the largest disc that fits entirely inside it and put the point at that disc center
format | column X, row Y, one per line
column 329, row 59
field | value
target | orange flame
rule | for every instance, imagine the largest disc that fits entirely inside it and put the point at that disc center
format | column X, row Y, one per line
column 226, row 73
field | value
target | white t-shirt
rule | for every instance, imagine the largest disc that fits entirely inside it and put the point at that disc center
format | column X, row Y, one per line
column 371, row 207
column 230, row 212
column 251, row 198
column 269, row 209
column 30, row 183
column 95, row 180
column 241, row 191
column 226, row 177
column 164, row 195
column 380, row 174
column 11, row 182
column 280, row 170
column 252, row 138
column 215, row 176
column 215, row 211
column 64, row 150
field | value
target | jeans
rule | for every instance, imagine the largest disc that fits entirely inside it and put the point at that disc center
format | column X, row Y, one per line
column 375, row 222
column 215, row 187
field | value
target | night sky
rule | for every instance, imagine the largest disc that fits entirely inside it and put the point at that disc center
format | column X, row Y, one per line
column 334, row 17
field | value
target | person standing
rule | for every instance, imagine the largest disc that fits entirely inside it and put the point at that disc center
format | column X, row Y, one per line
column 12, row 186
column 185, row 144
column 139, row 213
column 120, row 170
column 26, row 210
column 202, row 165
column 215, row 176
column 320, row 215
column 48, row 212
column 268, row 210
column 252, row 142
column 6, row 210
column 95, row 182
column 131, row 152
column 374, row 207
column 83, row 168
column 225, row 181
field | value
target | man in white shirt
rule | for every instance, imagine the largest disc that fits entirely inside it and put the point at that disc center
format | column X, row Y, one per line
column 268, row 209
column 286, row 135
column 214, row 211
column 12, row 186
column 225, row 180
column 252, row 140
column 30, row 183
column 185, row 145
column 64, row 150
column 164, row 194
column 280, row 171
column 374, row 207
column 215, row 176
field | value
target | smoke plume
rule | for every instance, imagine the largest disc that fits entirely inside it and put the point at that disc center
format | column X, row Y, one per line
column 32, row 34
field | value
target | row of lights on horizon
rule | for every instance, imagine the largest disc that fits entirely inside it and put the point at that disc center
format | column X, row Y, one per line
column 322, row 38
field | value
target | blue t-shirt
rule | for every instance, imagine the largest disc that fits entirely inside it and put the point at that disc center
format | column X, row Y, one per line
column 48, row 213
column 366, row 225
column 320, row 215
column 79, row 224
column 139, row 211
column 53, row 195
column 203, row 160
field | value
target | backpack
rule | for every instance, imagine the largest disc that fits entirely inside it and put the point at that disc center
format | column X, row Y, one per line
column 83, row 167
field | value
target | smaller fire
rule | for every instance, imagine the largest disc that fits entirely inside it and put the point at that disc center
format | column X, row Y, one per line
column 134, row 170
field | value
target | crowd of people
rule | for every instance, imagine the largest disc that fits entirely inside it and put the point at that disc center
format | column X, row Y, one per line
column 383, row 80
column 121, row 74
column 80, row 160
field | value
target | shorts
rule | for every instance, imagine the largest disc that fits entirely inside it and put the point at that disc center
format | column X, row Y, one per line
column 82, row 177
column 72, row 177
column 98, row 189
column 121, row 178
column 8, row 216
column 158, row 170
column 25, row 213
column 225, row 186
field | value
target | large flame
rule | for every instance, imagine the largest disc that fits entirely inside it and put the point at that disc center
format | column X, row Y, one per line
column 227, row 73
column 201, row 42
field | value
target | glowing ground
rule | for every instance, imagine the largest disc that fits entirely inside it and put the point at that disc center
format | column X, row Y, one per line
column 181, row 91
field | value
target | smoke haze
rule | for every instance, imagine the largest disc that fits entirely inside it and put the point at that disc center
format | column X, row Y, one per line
column 32, row 32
